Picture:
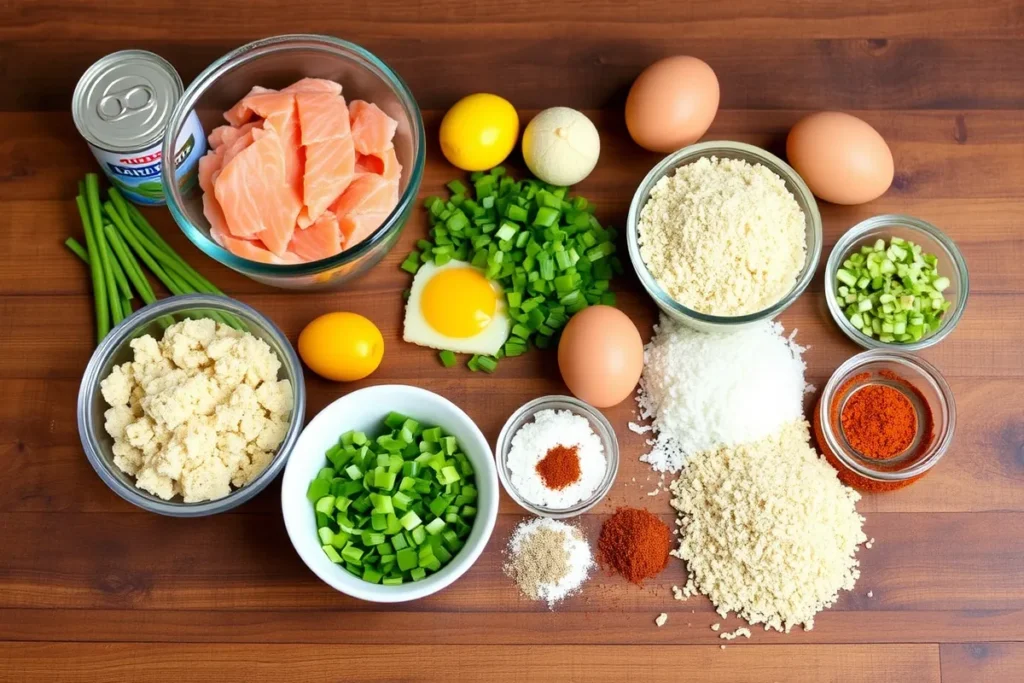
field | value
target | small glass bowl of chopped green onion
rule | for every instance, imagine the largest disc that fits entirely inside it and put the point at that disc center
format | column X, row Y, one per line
column 896, row 281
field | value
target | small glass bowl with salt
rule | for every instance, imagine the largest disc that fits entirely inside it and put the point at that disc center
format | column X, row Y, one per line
column 517, row 459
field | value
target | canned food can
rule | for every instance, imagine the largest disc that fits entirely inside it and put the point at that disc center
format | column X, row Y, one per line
column 121, row 107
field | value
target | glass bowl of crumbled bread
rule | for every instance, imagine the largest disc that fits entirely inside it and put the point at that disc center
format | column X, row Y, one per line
column 191, row 405
column 723, row 234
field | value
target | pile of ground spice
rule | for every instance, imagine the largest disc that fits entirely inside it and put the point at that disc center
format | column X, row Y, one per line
column 634, row 543
column 879, row 421
column 560, row 467
column 549, row 560
column 878, row 425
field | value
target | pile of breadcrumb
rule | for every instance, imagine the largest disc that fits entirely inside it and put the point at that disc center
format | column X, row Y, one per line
column 723, row 237
column 767, row 530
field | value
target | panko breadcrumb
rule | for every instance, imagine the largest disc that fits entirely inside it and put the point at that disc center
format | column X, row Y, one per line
column 722, row 236
column 768, row 531
column 198, row 412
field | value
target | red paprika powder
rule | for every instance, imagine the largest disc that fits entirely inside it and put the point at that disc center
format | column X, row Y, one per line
column 634, row 543
column 560, row 467
column 879, row 422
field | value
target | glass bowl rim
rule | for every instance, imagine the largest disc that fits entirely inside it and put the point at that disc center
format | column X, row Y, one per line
column 118, row 337
column 251, row 51
column 841, row 250
column 838, row 445
column 611, row 447
column 708, row 149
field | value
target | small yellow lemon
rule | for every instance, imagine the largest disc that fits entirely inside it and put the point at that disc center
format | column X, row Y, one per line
column 479, row 132
column 342, row 347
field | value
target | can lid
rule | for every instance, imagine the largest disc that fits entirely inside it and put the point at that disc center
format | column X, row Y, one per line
column 123, row 102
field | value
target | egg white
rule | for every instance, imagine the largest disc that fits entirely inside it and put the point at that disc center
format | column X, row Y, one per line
column 418, row 331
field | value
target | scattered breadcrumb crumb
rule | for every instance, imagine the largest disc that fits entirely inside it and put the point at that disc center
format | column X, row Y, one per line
column 771, row 533
column 871, row 594
column 742, row 631
column 661, row 619
column 715, row 627
column 722, row 646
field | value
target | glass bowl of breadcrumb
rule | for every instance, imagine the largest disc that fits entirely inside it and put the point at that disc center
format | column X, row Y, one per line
column 761, row 239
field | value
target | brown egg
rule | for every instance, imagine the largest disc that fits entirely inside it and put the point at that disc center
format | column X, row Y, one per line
column 840, row 157
column 601, row 356
column 672, row 103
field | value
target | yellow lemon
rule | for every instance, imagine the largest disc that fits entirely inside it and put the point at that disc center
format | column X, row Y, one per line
column 342, row 347
column 479, row 132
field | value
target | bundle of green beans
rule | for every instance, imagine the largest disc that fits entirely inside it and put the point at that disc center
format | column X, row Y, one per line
column 117, row 237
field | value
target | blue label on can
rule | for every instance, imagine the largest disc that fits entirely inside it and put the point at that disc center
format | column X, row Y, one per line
column 137, row 175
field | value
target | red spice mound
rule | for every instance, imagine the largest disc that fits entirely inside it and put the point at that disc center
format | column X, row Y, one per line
column 634, row 543
column 560, row 467
column 879, row 421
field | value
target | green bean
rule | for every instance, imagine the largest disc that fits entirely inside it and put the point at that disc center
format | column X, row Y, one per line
column 171, row 266
column 130, row 266
column 119, row 276
column 77, row 249
column 99, row 288
column 140, row 221
column 141, row 252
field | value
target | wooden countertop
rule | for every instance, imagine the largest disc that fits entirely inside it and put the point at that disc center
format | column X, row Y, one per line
column 93, row 589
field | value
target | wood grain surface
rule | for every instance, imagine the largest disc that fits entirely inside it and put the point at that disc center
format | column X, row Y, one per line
column 93, row 589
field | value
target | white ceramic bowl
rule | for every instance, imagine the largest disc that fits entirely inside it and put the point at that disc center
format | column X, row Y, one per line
column 364, row 410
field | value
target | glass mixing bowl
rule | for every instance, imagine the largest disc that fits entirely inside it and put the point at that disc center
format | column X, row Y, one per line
column 724, row 150
column 115, row 349
column 275, row 63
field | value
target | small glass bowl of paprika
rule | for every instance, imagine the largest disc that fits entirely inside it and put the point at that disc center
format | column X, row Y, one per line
column 600, row 427
column 884, row 419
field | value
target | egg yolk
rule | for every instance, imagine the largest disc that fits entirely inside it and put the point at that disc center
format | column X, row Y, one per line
column 459, row 302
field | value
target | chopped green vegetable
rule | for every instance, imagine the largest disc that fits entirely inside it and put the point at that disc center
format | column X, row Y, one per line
column 546, row 250
column 388, row 507
column 893, row 292
column 447, row 358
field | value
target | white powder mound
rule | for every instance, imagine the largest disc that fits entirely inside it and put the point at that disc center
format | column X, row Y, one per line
column 767, row 530
column 530, row 445
column 704, row 391
column 579, row 559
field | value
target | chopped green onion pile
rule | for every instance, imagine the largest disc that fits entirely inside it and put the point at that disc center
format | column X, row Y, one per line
column 117, row 237
column 397, row 507
column 892, row 292
column 546, row 249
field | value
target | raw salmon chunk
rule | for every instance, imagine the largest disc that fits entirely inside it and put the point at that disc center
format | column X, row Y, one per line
column 314, row 85
column 322, row 116
column 254, row 250
column 364, row 206
column 319, row 241
column 226, row 135
column 330, row 155
column 208, row 165
column 241, row 112
column 253, row 192
column 330, row 166
column 297, row 175
column 372, row 129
